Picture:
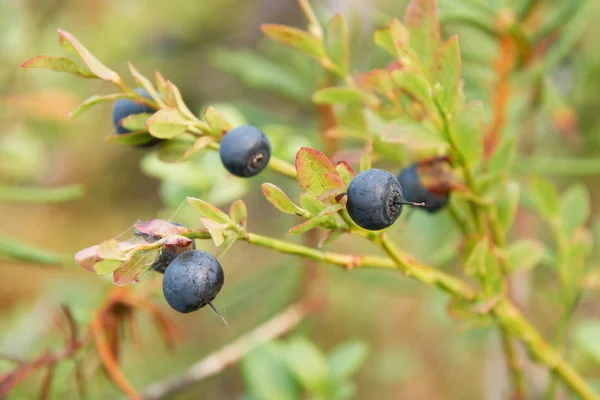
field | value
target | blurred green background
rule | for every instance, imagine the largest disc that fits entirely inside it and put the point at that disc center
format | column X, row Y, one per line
column 214, row 52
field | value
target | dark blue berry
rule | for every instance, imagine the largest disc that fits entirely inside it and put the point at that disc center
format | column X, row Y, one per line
column 126, row 107
column 245, row 151
column 374, row 199
column 192, row 281
column 415, row 191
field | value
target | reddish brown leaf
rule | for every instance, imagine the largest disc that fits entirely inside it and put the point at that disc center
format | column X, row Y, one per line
column 316, row 173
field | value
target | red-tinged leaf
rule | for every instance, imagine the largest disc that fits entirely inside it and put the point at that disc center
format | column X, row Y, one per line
column 216, row 230
column 70, row 42
column 135, row 122
column 316, row 173
column 167, row 123
column 58, row 64
column 139, row 262
column 296, row 39
column 446, row 71
column 423, row 24
column 392, row 33
column 331, row 193
column 409, row 58
column 311, row 224
column 217, row 123
column 146, row 84
column 378, row 80
column 93, row 100
column 200, row 143
column 133, row 138
column 239, row 213
column 337, row 44
column 280, row 201
column 367, row 156
column 207, row 210
column 159, row 227
column 345, row 171
column 330, row 237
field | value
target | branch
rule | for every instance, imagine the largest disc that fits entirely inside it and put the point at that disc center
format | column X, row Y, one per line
column 233, row 352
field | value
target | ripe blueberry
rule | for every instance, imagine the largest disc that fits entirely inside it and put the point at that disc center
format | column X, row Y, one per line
column 245, row 151
column 415, row 191
column 126, row 107
column 374, row 199
column 192, row 280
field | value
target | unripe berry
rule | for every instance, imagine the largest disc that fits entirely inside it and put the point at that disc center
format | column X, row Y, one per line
column 245, row 151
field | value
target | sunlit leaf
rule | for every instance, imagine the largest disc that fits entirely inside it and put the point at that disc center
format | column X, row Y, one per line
column 388, row 37
column 345, row 171
column 93, row 100
column 239, row 213
column 201, row 143
column 217, row 123
column 216, row 230
column 296, row 39
column 135, row 122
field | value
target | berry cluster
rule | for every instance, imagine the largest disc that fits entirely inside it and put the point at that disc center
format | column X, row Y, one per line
column 245, row 150
column 376, row 197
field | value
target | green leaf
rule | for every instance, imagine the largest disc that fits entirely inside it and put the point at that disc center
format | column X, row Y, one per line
column 161, row 84
column 135, row 122
column 209, row 211
column 415, row 84
column 216, row 230
column 93, row 100
column 507, row 205
column 475, row 262
column 280, row 201
column 58, row 64
column 347, row 358
column 16, row 249
column 172, row 151
column 133, row 138
column 201, row 143
column 319, row 221
column 145, row 83
column 468, row 131
column 367, row 156
column 388, row 37
column 316, row 173
column 28, row 194
column 503, row 156
column 545, row 197
column 267, row 375
column 296, row 39
column 311, row 204
column 69, row 42
column 167, row 123
column 172, row 92
column 421, row 19
column 586, row 335
column 575, row 208
column 307, row 363
column 217, row 123
column 412, row 135
column 226, row 245
column 446, row 71
column 482, row 263
column 337, row 44
column 524, row 254
column 345, row 171
column 239, row 213
column 343, row 95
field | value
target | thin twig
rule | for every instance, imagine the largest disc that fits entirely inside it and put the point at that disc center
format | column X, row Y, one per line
column 231, row 353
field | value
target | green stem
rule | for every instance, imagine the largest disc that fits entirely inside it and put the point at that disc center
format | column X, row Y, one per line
column 457, row 215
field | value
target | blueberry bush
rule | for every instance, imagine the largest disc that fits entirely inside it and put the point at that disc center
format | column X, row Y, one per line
column 419, row 153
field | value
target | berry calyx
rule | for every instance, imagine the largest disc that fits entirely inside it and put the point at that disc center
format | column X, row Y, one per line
column 245, row 151
column 375, row 199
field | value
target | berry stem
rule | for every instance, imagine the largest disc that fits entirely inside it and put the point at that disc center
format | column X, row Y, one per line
column 219, row 314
